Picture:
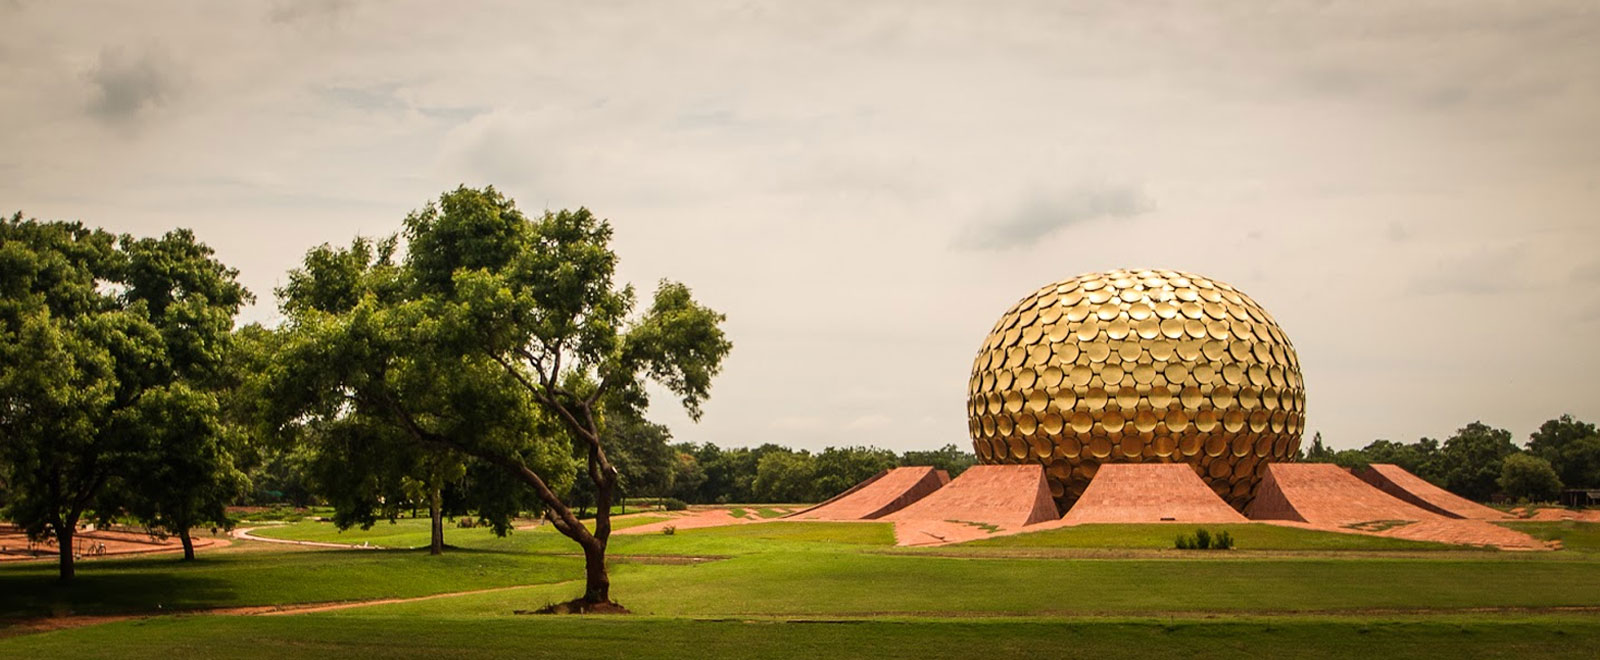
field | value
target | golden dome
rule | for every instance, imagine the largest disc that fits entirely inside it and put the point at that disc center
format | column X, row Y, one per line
column 1129, row 366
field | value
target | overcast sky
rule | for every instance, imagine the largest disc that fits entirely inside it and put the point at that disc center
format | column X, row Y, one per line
column 1412, row 189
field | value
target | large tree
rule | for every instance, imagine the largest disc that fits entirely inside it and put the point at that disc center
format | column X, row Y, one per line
column 537, row 296
column 1572, row 447
column 363, row 377
column 1471, row 460
column 106, row 345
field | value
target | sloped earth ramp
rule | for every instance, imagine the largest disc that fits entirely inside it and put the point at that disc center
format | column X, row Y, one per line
column 879, row 496
column 1415, row 490
column 1149, row 493
column 1005, row 496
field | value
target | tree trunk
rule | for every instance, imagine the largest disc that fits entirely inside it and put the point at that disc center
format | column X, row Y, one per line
column 597, row 583
column 64, row 546
column 436, row 511
column 188, row 544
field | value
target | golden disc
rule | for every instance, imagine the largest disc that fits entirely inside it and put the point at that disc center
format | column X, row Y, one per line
column 1107, row 311
column 1118, row 329
column 1088, row 330
column 1038, row 400
column 1176, row 372
column 1112, row 421
column 1027, row 424
column 1064, row 399
column 1140, row 311
column 1052, row 422
column 1095, row 399
column 1127, row 397
column 1148, row 328
column 1111, row 374
column 1160, row 396
column 1098, row 351
column 1206, row 420
column 1080, row 375
column 1051, row 376
column 1099, row 446
column 1233, row 420
column 1240, row 350
column 1065, row 352
column 1172, row 328
column 1144, row 421
column 1176, row 420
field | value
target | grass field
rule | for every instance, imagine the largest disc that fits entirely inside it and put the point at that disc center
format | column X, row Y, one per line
column 810, row 589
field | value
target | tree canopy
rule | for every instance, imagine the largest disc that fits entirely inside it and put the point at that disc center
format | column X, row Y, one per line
column 111, row 347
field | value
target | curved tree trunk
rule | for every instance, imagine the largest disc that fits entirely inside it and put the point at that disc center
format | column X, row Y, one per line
column 188, row 544
column 436, row 512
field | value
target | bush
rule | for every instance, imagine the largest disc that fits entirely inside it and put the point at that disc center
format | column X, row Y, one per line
column 674, row 504
column 669, row 530
column 1203, row 539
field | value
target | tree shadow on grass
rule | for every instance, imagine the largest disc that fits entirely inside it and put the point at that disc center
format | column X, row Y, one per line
column 119, row 587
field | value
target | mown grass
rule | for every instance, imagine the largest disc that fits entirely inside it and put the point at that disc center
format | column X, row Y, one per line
column 1579, row 537
column 164, row 584
column 850, row 584
column 1246, row 536
column 275, row 638
column 730, row 540
column 861, row 596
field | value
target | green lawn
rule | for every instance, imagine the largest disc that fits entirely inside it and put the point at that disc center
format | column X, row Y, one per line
column 229, row 579
column 1580, row 537
column 732, row 540
column 276, row 638
column 1246, row 536
column 814, row 589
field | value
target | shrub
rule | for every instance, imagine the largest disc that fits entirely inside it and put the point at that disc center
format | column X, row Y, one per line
column 669, row 530
column 1203, row 539
column 674, row 504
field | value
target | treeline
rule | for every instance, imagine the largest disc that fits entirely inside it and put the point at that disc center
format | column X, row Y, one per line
column 1482, row 463
column 649, row 466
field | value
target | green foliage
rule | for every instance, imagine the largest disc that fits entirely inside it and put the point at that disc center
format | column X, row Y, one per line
column 674, row 504
column 1572, row 447
column 1528, row 478
column 1471, row 460
column 785, row 476
column 112, row 350
column 950, row 458
column 839, row 468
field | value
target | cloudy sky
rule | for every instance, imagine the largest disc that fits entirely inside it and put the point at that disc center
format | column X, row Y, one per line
column 1413, row 189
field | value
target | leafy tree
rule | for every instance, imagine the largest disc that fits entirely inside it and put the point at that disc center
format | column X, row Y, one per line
column 1471, row 460
column 1572, row 447
column 1525, row 477
column 104, row 341
column 1317, row 452
column 501, row 338
column 687, row 474
column 786, row 476
column 186, row 476
column 949, row 458
column 536, row 296
column 363, row 376
column 836, row 469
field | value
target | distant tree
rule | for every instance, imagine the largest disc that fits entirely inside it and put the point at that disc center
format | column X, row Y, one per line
column 105, row 342
column 949, row 458
column 836, row 469
column 1524, row 477
column 1471, row 460
column 1573, row 449
column 186, row 476
column 1317, row 452
column 786, row 476
column 687, row 475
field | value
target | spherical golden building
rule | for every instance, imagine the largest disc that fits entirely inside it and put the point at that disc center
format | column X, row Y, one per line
column 1137, row 366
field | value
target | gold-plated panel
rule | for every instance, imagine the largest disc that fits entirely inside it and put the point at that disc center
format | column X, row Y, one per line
column 1137, row 365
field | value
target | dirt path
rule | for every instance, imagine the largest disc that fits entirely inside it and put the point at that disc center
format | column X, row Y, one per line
column 244, row 534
